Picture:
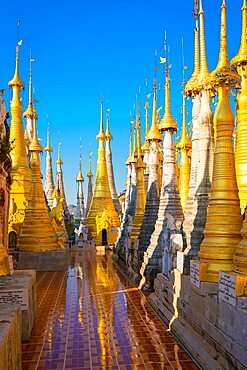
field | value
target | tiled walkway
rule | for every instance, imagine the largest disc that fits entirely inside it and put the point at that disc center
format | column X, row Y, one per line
column 91, row 317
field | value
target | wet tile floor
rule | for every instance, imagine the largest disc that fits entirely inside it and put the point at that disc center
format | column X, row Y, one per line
column 92, row 317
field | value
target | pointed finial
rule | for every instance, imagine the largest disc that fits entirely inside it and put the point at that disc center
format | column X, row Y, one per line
column 108, row 135
column 130, row 147
column 134, row 143
column 223, row 57
column 155, row 64
column 241, row 56
column 146, row 114
column 16, row 80
column 101, row 134
column 90, row 174
column 223, row 73
column 204, row 72
column 191, row 87
column 101, row 113
column 184, row 142
column 183, row 79
column 167, row 122
column 80, row 176
column 80, row 148
column 153, row 133
column 59, row 161
column 35, row 145
column 30, row 79
column 48, row 147
column 134, row 151
column 139, row 162
column 201, row 10
column 30, row 112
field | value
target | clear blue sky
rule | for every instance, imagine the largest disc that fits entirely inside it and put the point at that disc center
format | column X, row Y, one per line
column 85, row 48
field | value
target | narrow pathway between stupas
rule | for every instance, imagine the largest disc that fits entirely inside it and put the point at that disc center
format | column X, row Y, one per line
column 91, row 317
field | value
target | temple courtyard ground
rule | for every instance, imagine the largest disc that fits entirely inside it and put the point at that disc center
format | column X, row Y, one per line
column 92, row 317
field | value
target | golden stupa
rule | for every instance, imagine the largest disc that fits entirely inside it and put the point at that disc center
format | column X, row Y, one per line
column 184, row 146
column 37, row 233
column 222, row 230
column 240, row 63
column 140, row 186
column 20, row 170
column 102, row 218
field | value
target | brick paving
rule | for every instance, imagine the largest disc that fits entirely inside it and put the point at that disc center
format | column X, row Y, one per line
column 92, row 317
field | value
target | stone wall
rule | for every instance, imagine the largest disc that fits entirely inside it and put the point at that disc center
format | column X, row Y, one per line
column 213, row 331
column 10, row 337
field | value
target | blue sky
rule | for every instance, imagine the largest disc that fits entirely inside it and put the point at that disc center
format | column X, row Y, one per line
column 83, row 49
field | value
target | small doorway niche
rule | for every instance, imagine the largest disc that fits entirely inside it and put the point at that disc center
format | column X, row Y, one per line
column 104, row 237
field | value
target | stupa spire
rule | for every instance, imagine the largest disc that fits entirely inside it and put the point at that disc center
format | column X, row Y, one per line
column 18, row 153
column 167, row 122
column 140, row 185
column 145, row 146
column 20, row 169
column 109, row 165
column 130, row 147
column 204, row 72
column 153, row 133
column 48, row 147
column 101, row 135
column 146, row 118
column 80, row 212
column 107, row 131
column 90, row 185
column 49, row 182
column 184, row 145
column 90, row 174
column 30, row 112
column 59, row 161
column 191, row 85
column 242, row 52
column 80, row 175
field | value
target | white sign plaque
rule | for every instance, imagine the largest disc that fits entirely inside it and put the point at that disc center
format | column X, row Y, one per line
column 15, row 296
column 180, row 261
column 195, row 273
column 227, row 288
column 11, row 266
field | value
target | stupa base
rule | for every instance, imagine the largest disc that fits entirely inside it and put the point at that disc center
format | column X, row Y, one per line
column 20, row 289
column 43, row 261
column 10, row 337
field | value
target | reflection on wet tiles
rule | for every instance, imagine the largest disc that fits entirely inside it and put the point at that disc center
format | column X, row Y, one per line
column 92, row 317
